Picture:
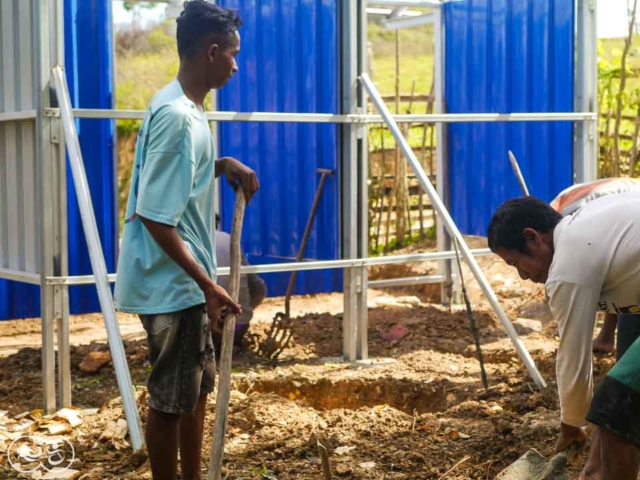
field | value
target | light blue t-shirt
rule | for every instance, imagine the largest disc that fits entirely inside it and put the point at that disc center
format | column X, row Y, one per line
column 172, row 183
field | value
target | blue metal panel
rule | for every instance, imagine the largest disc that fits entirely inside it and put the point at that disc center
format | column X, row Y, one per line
column 507, row 56
column 288, row 63
column 89, row 64
column 89, row 67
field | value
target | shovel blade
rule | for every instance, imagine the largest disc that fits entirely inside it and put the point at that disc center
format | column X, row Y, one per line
column 531, row 466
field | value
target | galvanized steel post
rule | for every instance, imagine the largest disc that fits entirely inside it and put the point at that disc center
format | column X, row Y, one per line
column 45, row 176
column 60, row 224
column 355, row 232
column 586, row 92
column 442, row 167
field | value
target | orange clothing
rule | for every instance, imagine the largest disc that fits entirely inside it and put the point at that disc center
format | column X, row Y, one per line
column 574, row 197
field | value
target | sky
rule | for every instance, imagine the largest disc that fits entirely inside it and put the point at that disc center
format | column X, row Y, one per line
column 612, row 16
column 147, row 16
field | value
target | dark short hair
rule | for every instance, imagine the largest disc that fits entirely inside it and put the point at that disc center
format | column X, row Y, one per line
column 513, row 216
column 201, row 20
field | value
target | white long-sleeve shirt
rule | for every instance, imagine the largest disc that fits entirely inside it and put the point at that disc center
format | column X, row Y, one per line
column 596, row 267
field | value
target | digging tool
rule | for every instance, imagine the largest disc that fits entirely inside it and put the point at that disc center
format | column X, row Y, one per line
column 472, row 321
column 520, row 177
column 224, row 375
column 533, row 466
column 280, row 332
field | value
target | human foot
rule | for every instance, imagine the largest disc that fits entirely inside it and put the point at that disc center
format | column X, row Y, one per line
column 603, row 343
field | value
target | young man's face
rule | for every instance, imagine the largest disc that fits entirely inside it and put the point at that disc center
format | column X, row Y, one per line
column 535, row 263
column 222, row 61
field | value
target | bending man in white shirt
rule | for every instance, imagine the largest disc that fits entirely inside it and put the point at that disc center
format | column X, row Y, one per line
column 589, row 262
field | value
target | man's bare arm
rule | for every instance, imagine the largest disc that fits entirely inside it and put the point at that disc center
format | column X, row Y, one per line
column 171, row 242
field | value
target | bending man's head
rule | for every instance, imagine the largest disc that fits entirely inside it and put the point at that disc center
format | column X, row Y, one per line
column 521, row 233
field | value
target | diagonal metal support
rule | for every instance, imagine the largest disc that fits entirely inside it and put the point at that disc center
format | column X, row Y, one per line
column 98, row 264
column 452, row 228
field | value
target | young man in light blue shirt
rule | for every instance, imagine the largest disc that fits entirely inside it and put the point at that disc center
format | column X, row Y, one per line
column 167, row 263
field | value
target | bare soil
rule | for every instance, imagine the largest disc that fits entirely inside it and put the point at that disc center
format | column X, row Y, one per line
column 417, row 410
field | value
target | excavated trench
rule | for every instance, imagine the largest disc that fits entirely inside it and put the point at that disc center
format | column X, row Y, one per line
column 409, row 396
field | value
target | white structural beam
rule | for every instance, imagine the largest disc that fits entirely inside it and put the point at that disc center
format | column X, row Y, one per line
column 301, row 266
column 13, row 116
column 274, row 117
column 18, row 276
column 442, row 164
column 96, row 256
column 398, row 22
column 353, row 168
column 586, row 92
column 448, row 222
column 387, row 11
column 406, row 281
column 46, row 210
column 405, row 3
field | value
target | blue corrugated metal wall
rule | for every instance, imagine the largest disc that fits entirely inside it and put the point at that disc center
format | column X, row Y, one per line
column 89, row 63
column 507, row 56
column 89, row 66
column 288, row 63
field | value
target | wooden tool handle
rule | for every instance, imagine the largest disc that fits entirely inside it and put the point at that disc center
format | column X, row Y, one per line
column 224, row 373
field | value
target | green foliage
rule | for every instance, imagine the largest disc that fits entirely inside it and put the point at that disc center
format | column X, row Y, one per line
column 409, row 240
column 263, row 473
column 161, row 41
column 609, row 81
column 133, row 5
column 145, row 62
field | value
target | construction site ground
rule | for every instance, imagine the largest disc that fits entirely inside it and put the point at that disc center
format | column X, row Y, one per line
column 416, row 410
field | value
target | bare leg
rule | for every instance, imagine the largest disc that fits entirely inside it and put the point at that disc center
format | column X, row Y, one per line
column 620, row 458
column 162, row 444
column 593, row 468
column 605, row 340
column 191, row 431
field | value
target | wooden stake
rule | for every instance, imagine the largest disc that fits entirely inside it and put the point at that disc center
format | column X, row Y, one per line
column 400, row 179
column 324, row 457
column 381, row 189
column 454, row 467
column 224, row 375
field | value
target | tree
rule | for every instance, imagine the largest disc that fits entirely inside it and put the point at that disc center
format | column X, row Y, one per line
column 620, row 95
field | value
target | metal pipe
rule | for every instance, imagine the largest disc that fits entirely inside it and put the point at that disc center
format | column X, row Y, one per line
column 324, row 173
column 13, row 116
column 442, row 166
column 406, row 3
column 97, row 260
column 45, row 186
column 453, row 230
column 405, row 281
column 346, row 118
column 290, row 267
column 18, row 276
column 519, row 176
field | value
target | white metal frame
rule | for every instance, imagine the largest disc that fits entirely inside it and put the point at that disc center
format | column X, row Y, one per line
column 54, row 279
column 449, row 224
column 359, row 118
column 586, row 92
column 98, row 264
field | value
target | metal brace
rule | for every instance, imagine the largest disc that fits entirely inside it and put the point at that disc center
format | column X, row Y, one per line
column 358, row 283
column 56, row 128
column 51, row 112
column 57, row 302
column 360, row 126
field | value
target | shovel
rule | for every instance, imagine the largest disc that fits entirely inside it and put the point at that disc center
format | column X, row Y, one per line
column 224, row 380
column 533, row 466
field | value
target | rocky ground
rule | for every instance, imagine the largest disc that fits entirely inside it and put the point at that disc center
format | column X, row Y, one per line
column 417, row 410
